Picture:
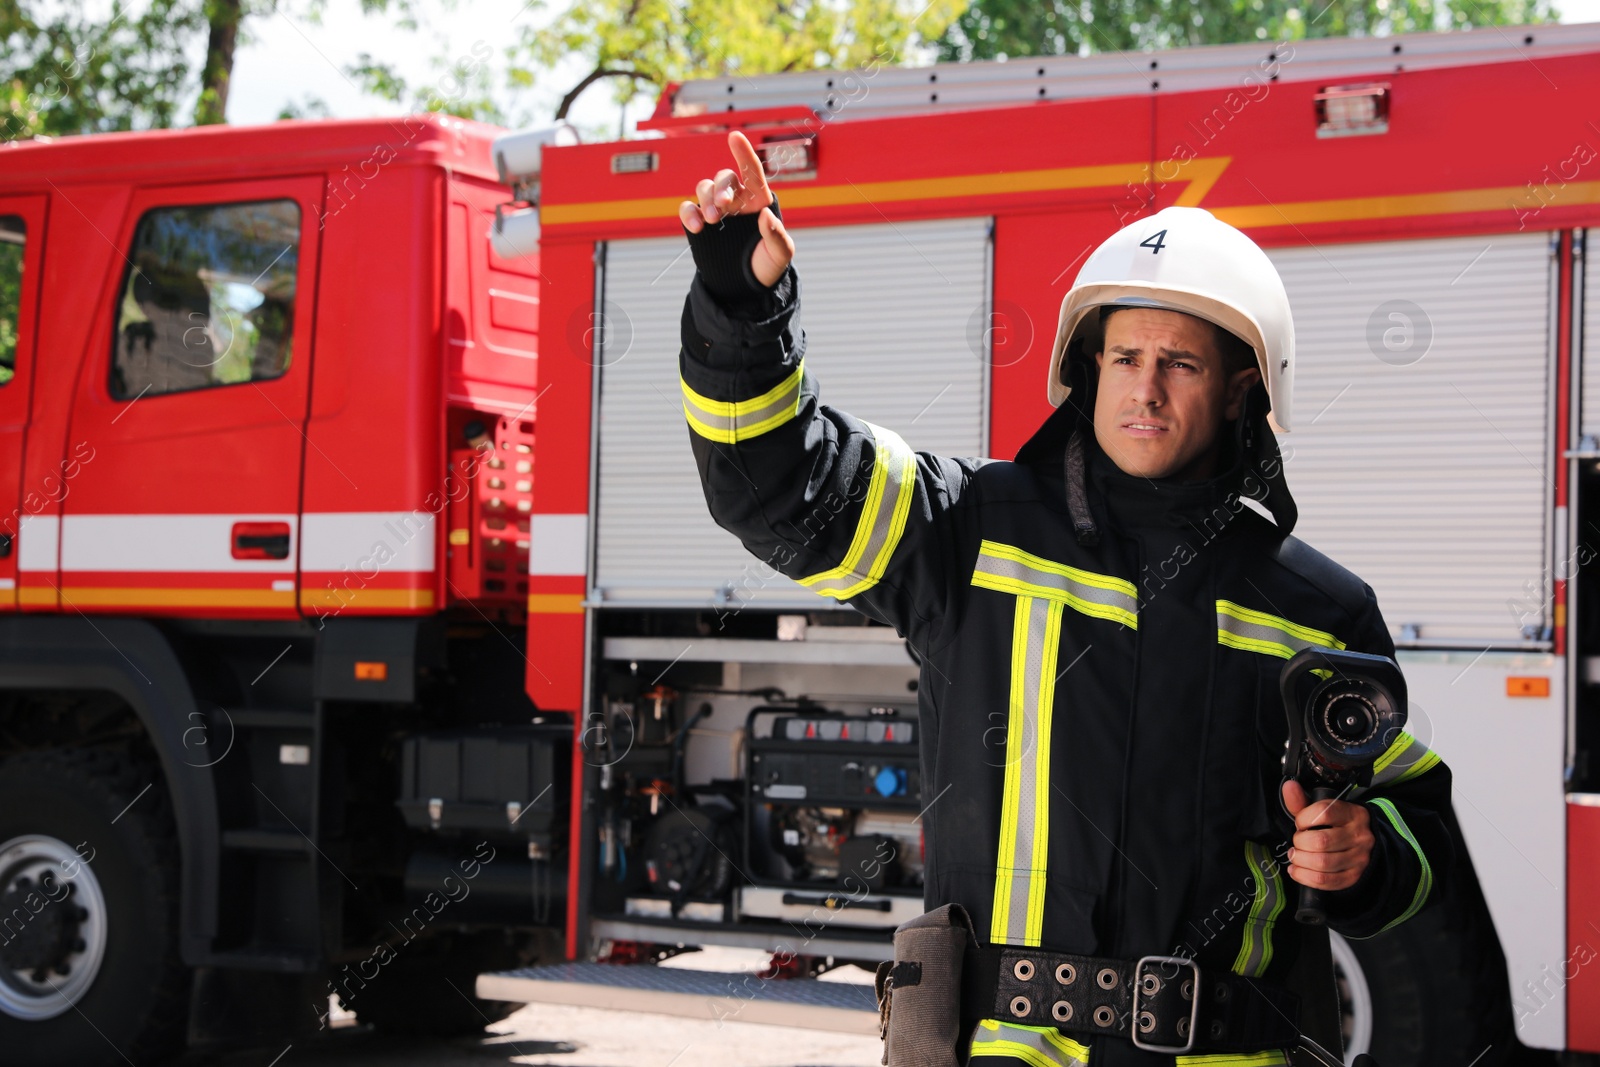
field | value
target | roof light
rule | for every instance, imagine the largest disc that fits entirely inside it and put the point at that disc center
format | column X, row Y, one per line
column 1351, row 110
column 789, row 159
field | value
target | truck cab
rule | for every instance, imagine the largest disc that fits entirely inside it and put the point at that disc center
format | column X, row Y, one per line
column 267, row 414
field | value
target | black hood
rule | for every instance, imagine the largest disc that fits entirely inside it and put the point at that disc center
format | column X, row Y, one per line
column 1256, row 470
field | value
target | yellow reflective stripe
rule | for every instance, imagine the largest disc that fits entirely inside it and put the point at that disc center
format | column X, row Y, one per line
column 1423, row 765
column 883, row 520
column 1255, row 948
column 1008, row 569
column 1405, row 759
column 728, row 422
column 1022, row 856
column 1032, row 1044
column 1425, row 880
column 1269, row 1058
column 1393, row 752
column 1256, row 631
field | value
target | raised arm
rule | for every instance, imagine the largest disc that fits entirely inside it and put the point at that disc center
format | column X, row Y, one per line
column 842, row 506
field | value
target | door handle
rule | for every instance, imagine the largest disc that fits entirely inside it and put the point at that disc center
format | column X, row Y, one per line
column 260, row 540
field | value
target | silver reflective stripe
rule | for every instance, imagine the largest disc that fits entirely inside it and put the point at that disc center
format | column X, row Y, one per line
column 1009, row 569
column 882, row 521
column 1402, row 761
column 1256, row 631
column 728, row 422
column 1037, row 1046
column 1025, row 806
column 1255, row 949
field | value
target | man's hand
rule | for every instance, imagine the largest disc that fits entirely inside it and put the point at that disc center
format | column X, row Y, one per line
column 1332, row 841
column 737, row 192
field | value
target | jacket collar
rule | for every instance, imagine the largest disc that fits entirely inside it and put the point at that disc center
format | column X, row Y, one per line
column 1066, row 438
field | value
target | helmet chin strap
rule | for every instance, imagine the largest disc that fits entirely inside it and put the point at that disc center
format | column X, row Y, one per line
column 1259, row 463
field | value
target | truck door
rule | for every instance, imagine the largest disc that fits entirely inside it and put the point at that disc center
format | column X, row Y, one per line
column 21, row 253
column 196, row 405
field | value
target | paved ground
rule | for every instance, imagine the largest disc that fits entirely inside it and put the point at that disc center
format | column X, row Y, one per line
column 585, row 1037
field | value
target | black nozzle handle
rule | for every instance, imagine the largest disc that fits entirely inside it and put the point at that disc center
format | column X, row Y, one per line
column 1310, row 910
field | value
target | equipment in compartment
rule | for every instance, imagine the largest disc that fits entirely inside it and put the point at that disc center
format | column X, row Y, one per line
column 883, row 848
column 845, row 760
column 665, row 849
column 832, row 818
column 686, row 853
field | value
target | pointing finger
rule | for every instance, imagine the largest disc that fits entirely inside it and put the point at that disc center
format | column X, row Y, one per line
column 752, row 174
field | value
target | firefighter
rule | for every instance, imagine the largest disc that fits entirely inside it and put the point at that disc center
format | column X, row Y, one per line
column 1100, row 623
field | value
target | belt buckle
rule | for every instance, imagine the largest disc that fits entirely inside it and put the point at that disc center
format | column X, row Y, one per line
column 1194, row 1003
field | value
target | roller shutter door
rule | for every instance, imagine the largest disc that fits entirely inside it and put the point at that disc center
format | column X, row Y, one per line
column 890, row 314
column 1420, row 456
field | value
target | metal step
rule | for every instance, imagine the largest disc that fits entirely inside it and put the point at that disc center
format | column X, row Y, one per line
column 276, row 842
column 719, row 996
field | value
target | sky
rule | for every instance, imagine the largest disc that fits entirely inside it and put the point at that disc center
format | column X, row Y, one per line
column 286, row 60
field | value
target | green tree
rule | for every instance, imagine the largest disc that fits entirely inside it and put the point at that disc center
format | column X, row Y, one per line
column 63, row 71
column 463, row 86
column 992, row 29
column 68, row 73
column 642, row 45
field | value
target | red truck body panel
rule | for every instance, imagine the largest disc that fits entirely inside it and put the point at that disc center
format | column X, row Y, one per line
column 346, row 448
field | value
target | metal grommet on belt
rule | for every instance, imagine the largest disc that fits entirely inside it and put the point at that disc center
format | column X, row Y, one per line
column 1183, row 1028
column 1023, row 969
column 1221, row 992
column 1147, row 1022
column 1061, row 1011
column 1149, row 984
column 1066, row 974
column 1104, row 1016
column 1186, row 990
column 1107, row 978
column 1020, row 1007
column 1216, row 1029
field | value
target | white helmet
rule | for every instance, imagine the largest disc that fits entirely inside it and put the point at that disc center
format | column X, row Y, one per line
column 1186, row 259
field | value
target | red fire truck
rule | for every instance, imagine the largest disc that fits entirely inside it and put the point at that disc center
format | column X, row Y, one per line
column 364, row 624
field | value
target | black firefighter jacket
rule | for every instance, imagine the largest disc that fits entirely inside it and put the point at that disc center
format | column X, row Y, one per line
column 1102, row 729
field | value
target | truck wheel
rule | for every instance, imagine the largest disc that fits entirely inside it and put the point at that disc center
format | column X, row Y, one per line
column 1355, row 997
column 427, row 988
column 89, row 971
column 1427, row 991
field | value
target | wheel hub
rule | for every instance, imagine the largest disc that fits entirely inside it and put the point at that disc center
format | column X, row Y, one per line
column 52, row 927
column 50, row 934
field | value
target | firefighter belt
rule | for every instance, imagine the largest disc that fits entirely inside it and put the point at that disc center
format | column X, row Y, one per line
column 942, row 982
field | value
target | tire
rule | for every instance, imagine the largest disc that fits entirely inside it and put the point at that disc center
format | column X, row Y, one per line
column 88, row 830
column 426, row 989
column 1436, row 990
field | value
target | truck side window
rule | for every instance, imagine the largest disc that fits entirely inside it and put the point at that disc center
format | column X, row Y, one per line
column 12, row 233
column 209, row 298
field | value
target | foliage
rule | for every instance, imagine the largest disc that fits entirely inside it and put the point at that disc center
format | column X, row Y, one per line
column 63, row 71
column 464, row 86
column 643, row 45
column 991, row 29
